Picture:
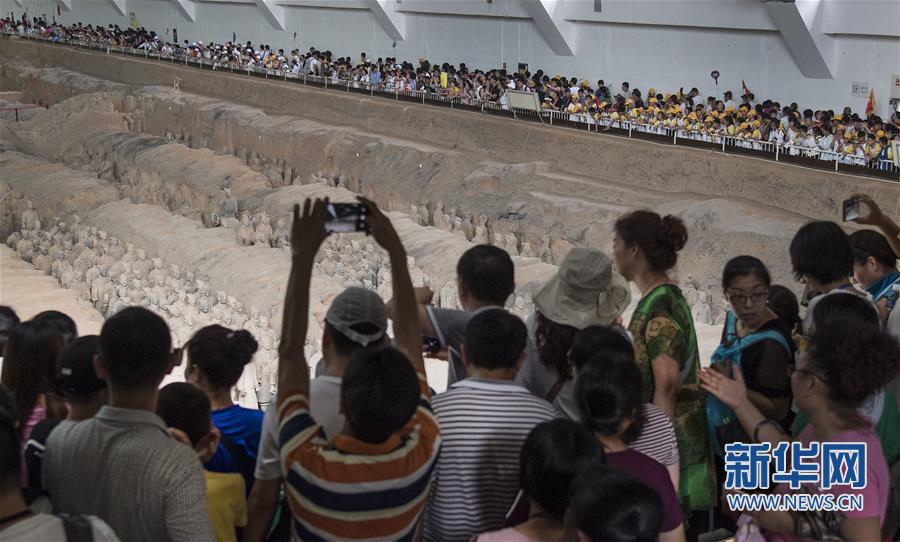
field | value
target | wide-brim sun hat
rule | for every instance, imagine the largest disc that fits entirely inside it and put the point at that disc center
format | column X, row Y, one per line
column 585, row 291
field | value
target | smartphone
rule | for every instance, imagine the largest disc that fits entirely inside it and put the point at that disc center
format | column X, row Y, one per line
column 432, row 344
column 851, row 209
column 346, row 217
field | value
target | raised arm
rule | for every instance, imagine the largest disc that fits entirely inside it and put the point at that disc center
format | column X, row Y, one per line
column 424, row 297
column 876, row 217
column 307, row 234
column 407, row 331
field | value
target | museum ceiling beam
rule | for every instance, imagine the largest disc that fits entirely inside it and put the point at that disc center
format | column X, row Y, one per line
column 273, row 13
column 66, row 4
column 393, row 22
column 799, row 24
column 188, row 9
column 549, row 17
column 120, row 6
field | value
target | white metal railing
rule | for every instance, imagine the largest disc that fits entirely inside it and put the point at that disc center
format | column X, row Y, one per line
column 634, row 128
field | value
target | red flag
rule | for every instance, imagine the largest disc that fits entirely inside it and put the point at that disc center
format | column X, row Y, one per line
column 746, row 90
column 870, row 105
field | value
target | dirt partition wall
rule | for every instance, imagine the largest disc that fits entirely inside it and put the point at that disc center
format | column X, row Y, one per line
column 641, row 165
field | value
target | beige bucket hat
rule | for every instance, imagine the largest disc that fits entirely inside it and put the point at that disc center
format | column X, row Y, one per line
column 585, row 291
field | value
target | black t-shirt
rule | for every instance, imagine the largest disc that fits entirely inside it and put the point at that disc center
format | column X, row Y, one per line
column 765, row 363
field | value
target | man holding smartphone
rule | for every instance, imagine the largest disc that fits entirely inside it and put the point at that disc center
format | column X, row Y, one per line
column 485, row 278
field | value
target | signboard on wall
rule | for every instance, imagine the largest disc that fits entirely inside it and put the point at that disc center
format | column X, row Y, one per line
column 523, row 100
column 134, row 20
column 895, row 86
column 860, row 89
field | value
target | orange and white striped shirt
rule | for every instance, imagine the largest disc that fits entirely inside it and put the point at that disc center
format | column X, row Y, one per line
column 354, row 490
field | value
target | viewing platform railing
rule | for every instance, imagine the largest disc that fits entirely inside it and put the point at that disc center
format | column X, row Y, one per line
column 808, row 157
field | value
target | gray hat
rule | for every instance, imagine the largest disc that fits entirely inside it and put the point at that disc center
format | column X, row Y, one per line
column 586, row 291
column 356, row 306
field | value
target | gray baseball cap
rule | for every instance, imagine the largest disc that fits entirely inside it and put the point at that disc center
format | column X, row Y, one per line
column 356, row 306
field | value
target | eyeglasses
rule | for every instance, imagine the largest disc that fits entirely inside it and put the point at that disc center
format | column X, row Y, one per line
column 755, row 298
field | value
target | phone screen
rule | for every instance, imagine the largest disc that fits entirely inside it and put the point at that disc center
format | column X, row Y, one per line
column 851, row 209
column 346, row 217
column 432, row 344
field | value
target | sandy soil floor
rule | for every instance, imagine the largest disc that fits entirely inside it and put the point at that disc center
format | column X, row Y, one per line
column 29, row 291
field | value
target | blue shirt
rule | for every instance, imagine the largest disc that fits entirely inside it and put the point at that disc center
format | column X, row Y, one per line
column 242, row 427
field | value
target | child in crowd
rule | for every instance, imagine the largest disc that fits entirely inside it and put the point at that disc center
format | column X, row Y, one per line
column 186, row 410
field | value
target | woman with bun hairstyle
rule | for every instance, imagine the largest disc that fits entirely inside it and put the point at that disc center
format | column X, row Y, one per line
column 645, row 248
column 216, row 357
column 844, row 363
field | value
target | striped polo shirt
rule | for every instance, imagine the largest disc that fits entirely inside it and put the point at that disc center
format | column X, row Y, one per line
column 354, row 490
column 483, row 426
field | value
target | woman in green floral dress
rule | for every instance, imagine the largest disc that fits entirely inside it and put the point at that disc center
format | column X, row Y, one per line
column 645, row 248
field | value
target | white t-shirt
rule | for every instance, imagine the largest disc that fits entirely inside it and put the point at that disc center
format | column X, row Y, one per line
column 325, row 404
column 43, row 527
column 810, row 307
column 325, row 407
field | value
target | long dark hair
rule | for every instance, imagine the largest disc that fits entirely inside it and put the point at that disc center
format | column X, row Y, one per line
column 29, row 369
column 553, row 343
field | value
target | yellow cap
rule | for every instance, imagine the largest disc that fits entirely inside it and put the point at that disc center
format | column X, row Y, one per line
column 651, row 91
column 629, row 101
column 692, row 116
column 879, row 134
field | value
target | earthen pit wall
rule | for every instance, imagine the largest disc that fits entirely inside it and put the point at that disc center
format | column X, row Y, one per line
column 816, row 194
column 256, row 275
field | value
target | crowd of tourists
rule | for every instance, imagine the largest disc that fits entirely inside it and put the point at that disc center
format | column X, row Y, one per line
column 859, row 138
column 570, row 425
